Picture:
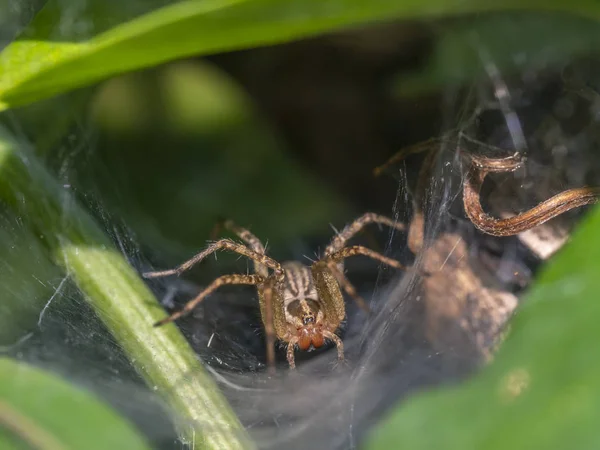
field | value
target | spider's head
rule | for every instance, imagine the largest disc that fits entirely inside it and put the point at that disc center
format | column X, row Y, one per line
column 307, row 317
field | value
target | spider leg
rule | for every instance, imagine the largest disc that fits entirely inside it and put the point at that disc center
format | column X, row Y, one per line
column 290, row 352
column 267, row 291
column 338, row 343
column 223, row 244
column 256, row 245
column 419, row 147
column 221, row 281
column 340, row 239
column 354, row 250
column 245, row 235
column 332, row 262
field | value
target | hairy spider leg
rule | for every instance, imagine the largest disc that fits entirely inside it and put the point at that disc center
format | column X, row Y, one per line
column 267, row 290
column 290, row 352
column 262, row 264
column 339, row 240
column 346, row 252
column 221, row 281
column 256, row 244
column 245, row 235
column 419, row 147
column 355, row 250
column 223, row 244
column 338, row 343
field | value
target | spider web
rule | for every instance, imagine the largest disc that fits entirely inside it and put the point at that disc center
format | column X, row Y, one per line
column 415, row 338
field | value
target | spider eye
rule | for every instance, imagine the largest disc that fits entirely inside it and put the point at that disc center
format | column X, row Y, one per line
column 309, row 319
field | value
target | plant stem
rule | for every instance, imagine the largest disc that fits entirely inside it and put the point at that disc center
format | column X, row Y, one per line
column 120, row 299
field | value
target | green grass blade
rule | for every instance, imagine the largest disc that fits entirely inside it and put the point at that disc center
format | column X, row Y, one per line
column 33, row 70
column 120, row 299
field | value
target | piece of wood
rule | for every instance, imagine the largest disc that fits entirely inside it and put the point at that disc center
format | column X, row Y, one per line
column 467, row 306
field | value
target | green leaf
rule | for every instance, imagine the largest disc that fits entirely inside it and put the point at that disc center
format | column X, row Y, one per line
column 542, row 390
column 40, row 411
column 34, row 69
column 120, row 299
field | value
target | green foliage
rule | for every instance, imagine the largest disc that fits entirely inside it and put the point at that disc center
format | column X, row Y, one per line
column 542, row 390
column 40, row 411
column 33, row 69
column 119, row 297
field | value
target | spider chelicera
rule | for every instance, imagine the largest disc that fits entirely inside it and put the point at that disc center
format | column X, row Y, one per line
column 300, row 305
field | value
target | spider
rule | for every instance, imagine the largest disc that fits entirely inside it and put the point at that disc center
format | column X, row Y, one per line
column 300, row 305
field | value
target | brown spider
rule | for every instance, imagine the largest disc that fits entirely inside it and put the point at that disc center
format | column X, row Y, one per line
column 300, row 305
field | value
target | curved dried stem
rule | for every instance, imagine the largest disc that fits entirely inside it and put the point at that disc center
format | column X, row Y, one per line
column 546, row 210
column 478, row 166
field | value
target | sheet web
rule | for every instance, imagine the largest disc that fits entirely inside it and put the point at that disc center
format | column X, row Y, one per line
column 433, row 324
